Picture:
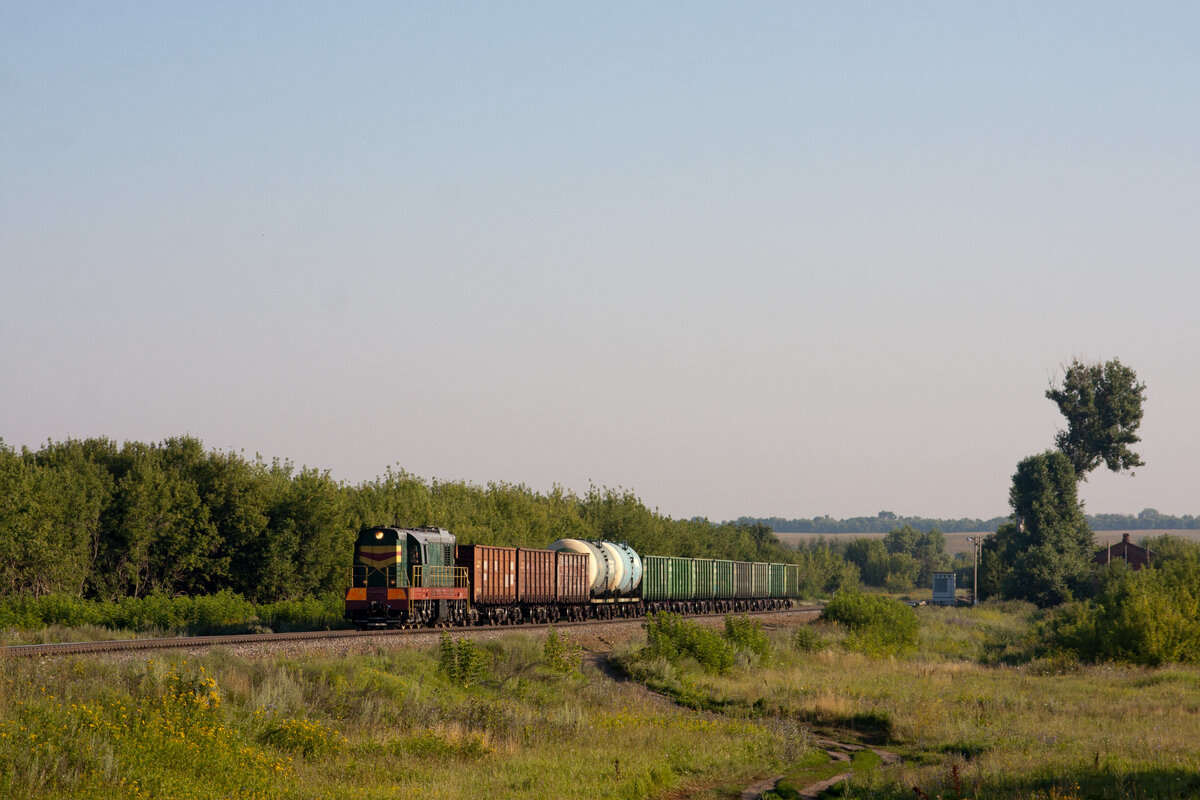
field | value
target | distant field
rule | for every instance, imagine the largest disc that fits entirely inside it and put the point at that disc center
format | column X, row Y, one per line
column 957, row 542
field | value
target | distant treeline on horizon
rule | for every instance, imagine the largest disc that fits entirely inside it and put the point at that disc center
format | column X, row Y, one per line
column 1148, row 520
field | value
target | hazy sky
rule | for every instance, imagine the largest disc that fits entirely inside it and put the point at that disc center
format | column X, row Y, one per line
column 742, row 258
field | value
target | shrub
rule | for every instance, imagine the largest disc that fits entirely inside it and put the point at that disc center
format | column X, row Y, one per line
column 806, row 640
column 25, row 612
column 304, row 736
column 428, row 745
column 311, row 613
column 747, row 635
column 670, row 637
column 462, row 661
column 222, row 612
column 561, row 654
column 1149, row 617
column 875, row 625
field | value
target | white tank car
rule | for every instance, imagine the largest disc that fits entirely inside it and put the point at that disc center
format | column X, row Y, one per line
column 613, row 568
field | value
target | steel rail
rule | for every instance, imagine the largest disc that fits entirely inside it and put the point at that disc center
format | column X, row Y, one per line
column 203, row 642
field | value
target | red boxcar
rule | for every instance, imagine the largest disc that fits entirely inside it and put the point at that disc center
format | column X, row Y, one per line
column 572, row 578
column 492, row 573
column 535, row 576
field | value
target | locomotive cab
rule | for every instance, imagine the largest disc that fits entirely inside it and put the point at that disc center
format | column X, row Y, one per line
column 404, row 576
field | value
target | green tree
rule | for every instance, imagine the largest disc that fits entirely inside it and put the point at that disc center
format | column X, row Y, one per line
column 1103, row 407
column 1149, row 616
column 239, row 496
column 22, row 527
column 310, row 540
column 73, row 492
column 397, row 498
column 823, row 571
column 927, row 548
column 871, row 558
column 1044, row 555
column 161, row 539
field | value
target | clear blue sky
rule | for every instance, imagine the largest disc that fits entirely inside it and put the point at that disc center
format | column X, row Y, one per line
column 743, row 258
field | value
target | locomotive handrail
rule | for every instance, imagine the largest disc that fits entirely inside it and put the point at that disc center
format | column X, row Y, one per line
column 360, row 575
column 430, row 576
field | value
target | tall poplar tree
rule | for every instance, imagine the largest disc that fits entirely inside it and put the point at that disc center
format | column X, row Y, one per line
column 1044, row 554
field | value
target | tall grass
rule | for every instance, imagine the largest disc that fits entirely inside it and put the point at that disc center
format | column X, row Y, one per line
column 969, row 717
column 392, row 724
column 58, row 616
column 973, row 715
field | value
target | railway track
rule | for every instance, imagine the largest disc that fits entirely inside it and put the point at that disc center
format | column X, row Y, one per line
column 204, row 642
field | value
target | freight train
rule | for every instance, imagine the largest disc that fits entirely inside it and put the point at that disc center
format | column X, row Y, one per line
column 408, row 577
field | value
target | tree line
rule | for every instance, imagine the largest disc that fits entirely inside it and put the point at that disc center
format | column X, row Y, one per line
column 904, row 559
column 883, row 522
column 1149, row 519
column 91, row 518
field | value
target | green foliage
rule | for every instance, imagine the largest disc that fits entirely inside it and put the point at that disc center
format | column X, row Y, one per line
column 679, row 652
column 428, row 745
column 926, row 548
column 1149, row 616
column 311, row 613
column 1045, row 556
column 1103, row 407
column 1170, row 548
column 904, row 558
column 671, row 638
column 807, row 640
column 871, row 558
column 307, row 737
column 824, row 571
column 561, row 654
column 90, row 518
column 221, row 612
column 875, row 625
column 462, row 661
column 747, row 635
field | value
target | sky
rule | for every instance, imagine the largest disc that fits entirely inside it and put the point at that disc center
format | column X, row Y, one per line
column 763, row 259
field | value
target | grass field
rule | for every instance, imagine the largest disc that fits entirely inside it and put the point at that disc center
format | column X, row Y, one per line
column 956, row 542
column 529, row 724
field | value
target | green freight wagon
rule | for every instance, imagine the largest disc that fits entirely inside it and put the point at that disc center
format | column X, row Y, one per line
column 723, row 580
column 656, row 578
column 704, row 582
column 777, row 580
column 667, row 578
column 761, row 580
column 793, row 582
column 743, row 580
column 683, row 578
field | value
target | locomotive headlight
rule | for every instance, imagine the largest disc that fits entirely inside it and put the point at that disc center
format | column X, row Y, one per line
column 378, row 534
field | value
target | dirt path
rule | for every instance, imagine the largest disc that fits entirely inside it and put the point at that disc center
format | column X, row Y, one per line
column 837, row 751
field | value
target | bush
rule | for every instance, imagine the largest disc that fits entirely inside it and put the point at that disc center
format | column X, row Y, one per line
column 222, row 612
column 875, row 625
column 304, row 736
column 671, row 637
column 806, row 640
column 462, row 661
column 1149, row 617
column 747, row 635
column 25, row 612
column 561, row 654
column 311, row 613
